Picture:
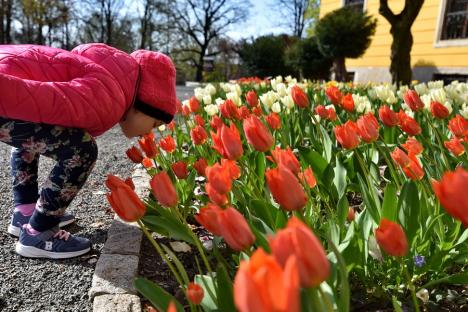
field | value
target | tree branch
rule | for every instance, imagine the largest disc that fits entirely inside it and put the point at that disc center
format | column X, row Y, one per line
column 386, row 12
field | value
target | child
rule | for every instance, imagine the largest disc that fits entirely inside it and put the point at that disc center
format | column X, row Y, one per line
column 52, row 103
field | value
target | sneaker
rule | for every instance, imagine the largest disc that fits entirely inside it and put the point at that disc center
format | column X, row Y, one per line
column 18, row 220
column 52, row 244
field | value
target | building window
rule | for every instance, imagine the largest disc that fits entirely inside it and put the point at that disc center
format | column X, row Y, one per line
column 455, row 20
column 355, row 4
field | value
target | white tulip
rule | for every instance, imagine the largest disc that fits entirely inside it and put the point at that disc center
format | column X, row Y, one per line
column 207, row 99
column 234, row 97
column 287, row 101
column 162, row 128
column 210, row 89
column 276, row 107
column 281, row 89
column 464, row 111
column 211, row 109
column 199, row 93
column 435, row 84
column 421, row 89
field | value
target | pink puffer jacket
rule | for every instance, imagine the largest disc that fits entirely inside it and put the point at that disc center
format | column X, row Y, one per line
column 89, row 88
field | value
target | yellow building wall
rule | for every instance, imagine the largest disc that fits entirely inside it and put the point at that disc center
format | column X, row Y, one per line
column 423, row 53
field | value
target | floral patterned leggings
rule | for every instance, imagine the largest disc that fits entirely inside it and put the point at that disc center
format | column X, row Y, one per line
column 75, row 153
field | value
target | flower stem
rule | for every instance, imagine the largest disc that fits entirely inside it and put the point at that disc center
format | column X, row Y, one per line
column 410, row 286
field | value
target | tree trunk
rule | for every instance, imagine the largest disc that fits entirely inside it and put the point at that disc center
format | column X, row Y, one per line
column 8, row 21
column 200, row 65
column 339, row 68
column 400, row 67
column 2, row 18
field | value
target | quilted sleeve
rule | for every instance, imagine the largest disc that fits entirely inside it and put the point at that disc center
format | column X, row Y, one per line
column 53, row 86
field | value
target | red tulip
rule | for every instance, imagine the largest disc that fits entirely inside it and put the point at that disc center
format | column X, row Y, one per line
column 220, row 178
column 235, row 230
column 215, row 196
column 368, row 127
column 231, row 167
column 194, row 104
column 129, row 182
column 285, row 188
column 180, row 169
column 218, row 143
column 438, row 110
column 391, row 238
column 147, row 163
column 257, row 110
column 194, row 293
column 198, row 135
column 251, row 98
column 347, row 135
column 167, row 144
column 321, row 111
column 163, row 189
column 208, row 218
column 400, row 157
column 186, row 111
column 216, row 123
column 171, row 125
column 351, row 215
column 450, row 191
column 200, row 166
column 229, row 110
column 458, row 126
column 455, row 146
column 308, row 177
column 412, row 146
column 149, row 146
column 414, row 171
column 287, row 159
column 257, row 134
column 299, row 97
column 408, row 124
column 413, row 101
column 331, row 114
column 273, row 121
column 171, row 307
column 244, row 112
column 334, row 94
column 124, row 200
column 199, row 120
column 134, row 154
column 261, row 285
column 298, row 240
column 347, row 102
column 232, row 144
column 387, row 116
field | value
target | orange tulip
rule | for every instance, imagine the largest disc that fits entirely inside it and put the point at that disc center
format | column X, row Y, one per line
column 171, row 307
column 134, row 154
column 347, row 102
column 232, row 144
column 257, row 110
column 220, row 178
column 124, row 200
column 180, row 169
column 413, row 101
column 387, row 116
column 235, row 230
column 215, row 196
column 198, row 135
column 285, row 188
column 208, row 217
column 273, row 121
column 297, row 239
column 171, row 125
column 351, row 215
column 414, row 171
column 391, row 238
column 413, row 146
column 217, row 142
column 450, row 191
column 194, row 293
column 334, row 94
column 229, row 110
column 199, row 120
column 149, row 146
column 438, row 110
column 321, row 111
column 147, row 163
column 261, row 285
column 299, row 97
column 186, row 111
column 368, row 127
column 200, row 166
column 408, row 124
column 347, row 135
column 163, row 189
column 194, row 104
column 251, row 98
column 244, row 112
column 257, row 134
column 168, row 144
column 287, row 159
column 455, row 146
column 400, row 157
column 458, row 126
column 308, row 177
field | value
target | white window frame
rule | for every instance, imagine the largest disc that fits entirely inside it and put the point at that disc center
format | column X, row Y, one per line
column 364, row 6
column 439, row 43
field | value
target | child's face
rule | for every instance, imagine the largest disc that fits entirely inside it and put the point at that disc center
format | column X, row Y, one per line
column 136, row 123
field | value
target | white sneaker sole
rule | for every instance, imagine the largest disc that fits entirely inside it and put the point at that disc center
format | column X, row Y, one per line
column 33, row 252
column 15, row 230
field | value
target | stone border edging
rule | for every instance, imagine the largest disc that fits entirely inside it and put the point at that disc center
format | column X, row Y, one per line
column 112, row 286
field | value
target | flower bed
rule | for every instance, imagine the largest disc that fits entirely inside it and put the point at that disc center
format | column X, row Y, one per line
column 319, row 196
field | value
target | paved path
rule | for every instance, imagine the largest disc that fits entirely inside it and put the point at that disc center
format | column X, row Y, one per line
column 62, row 285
